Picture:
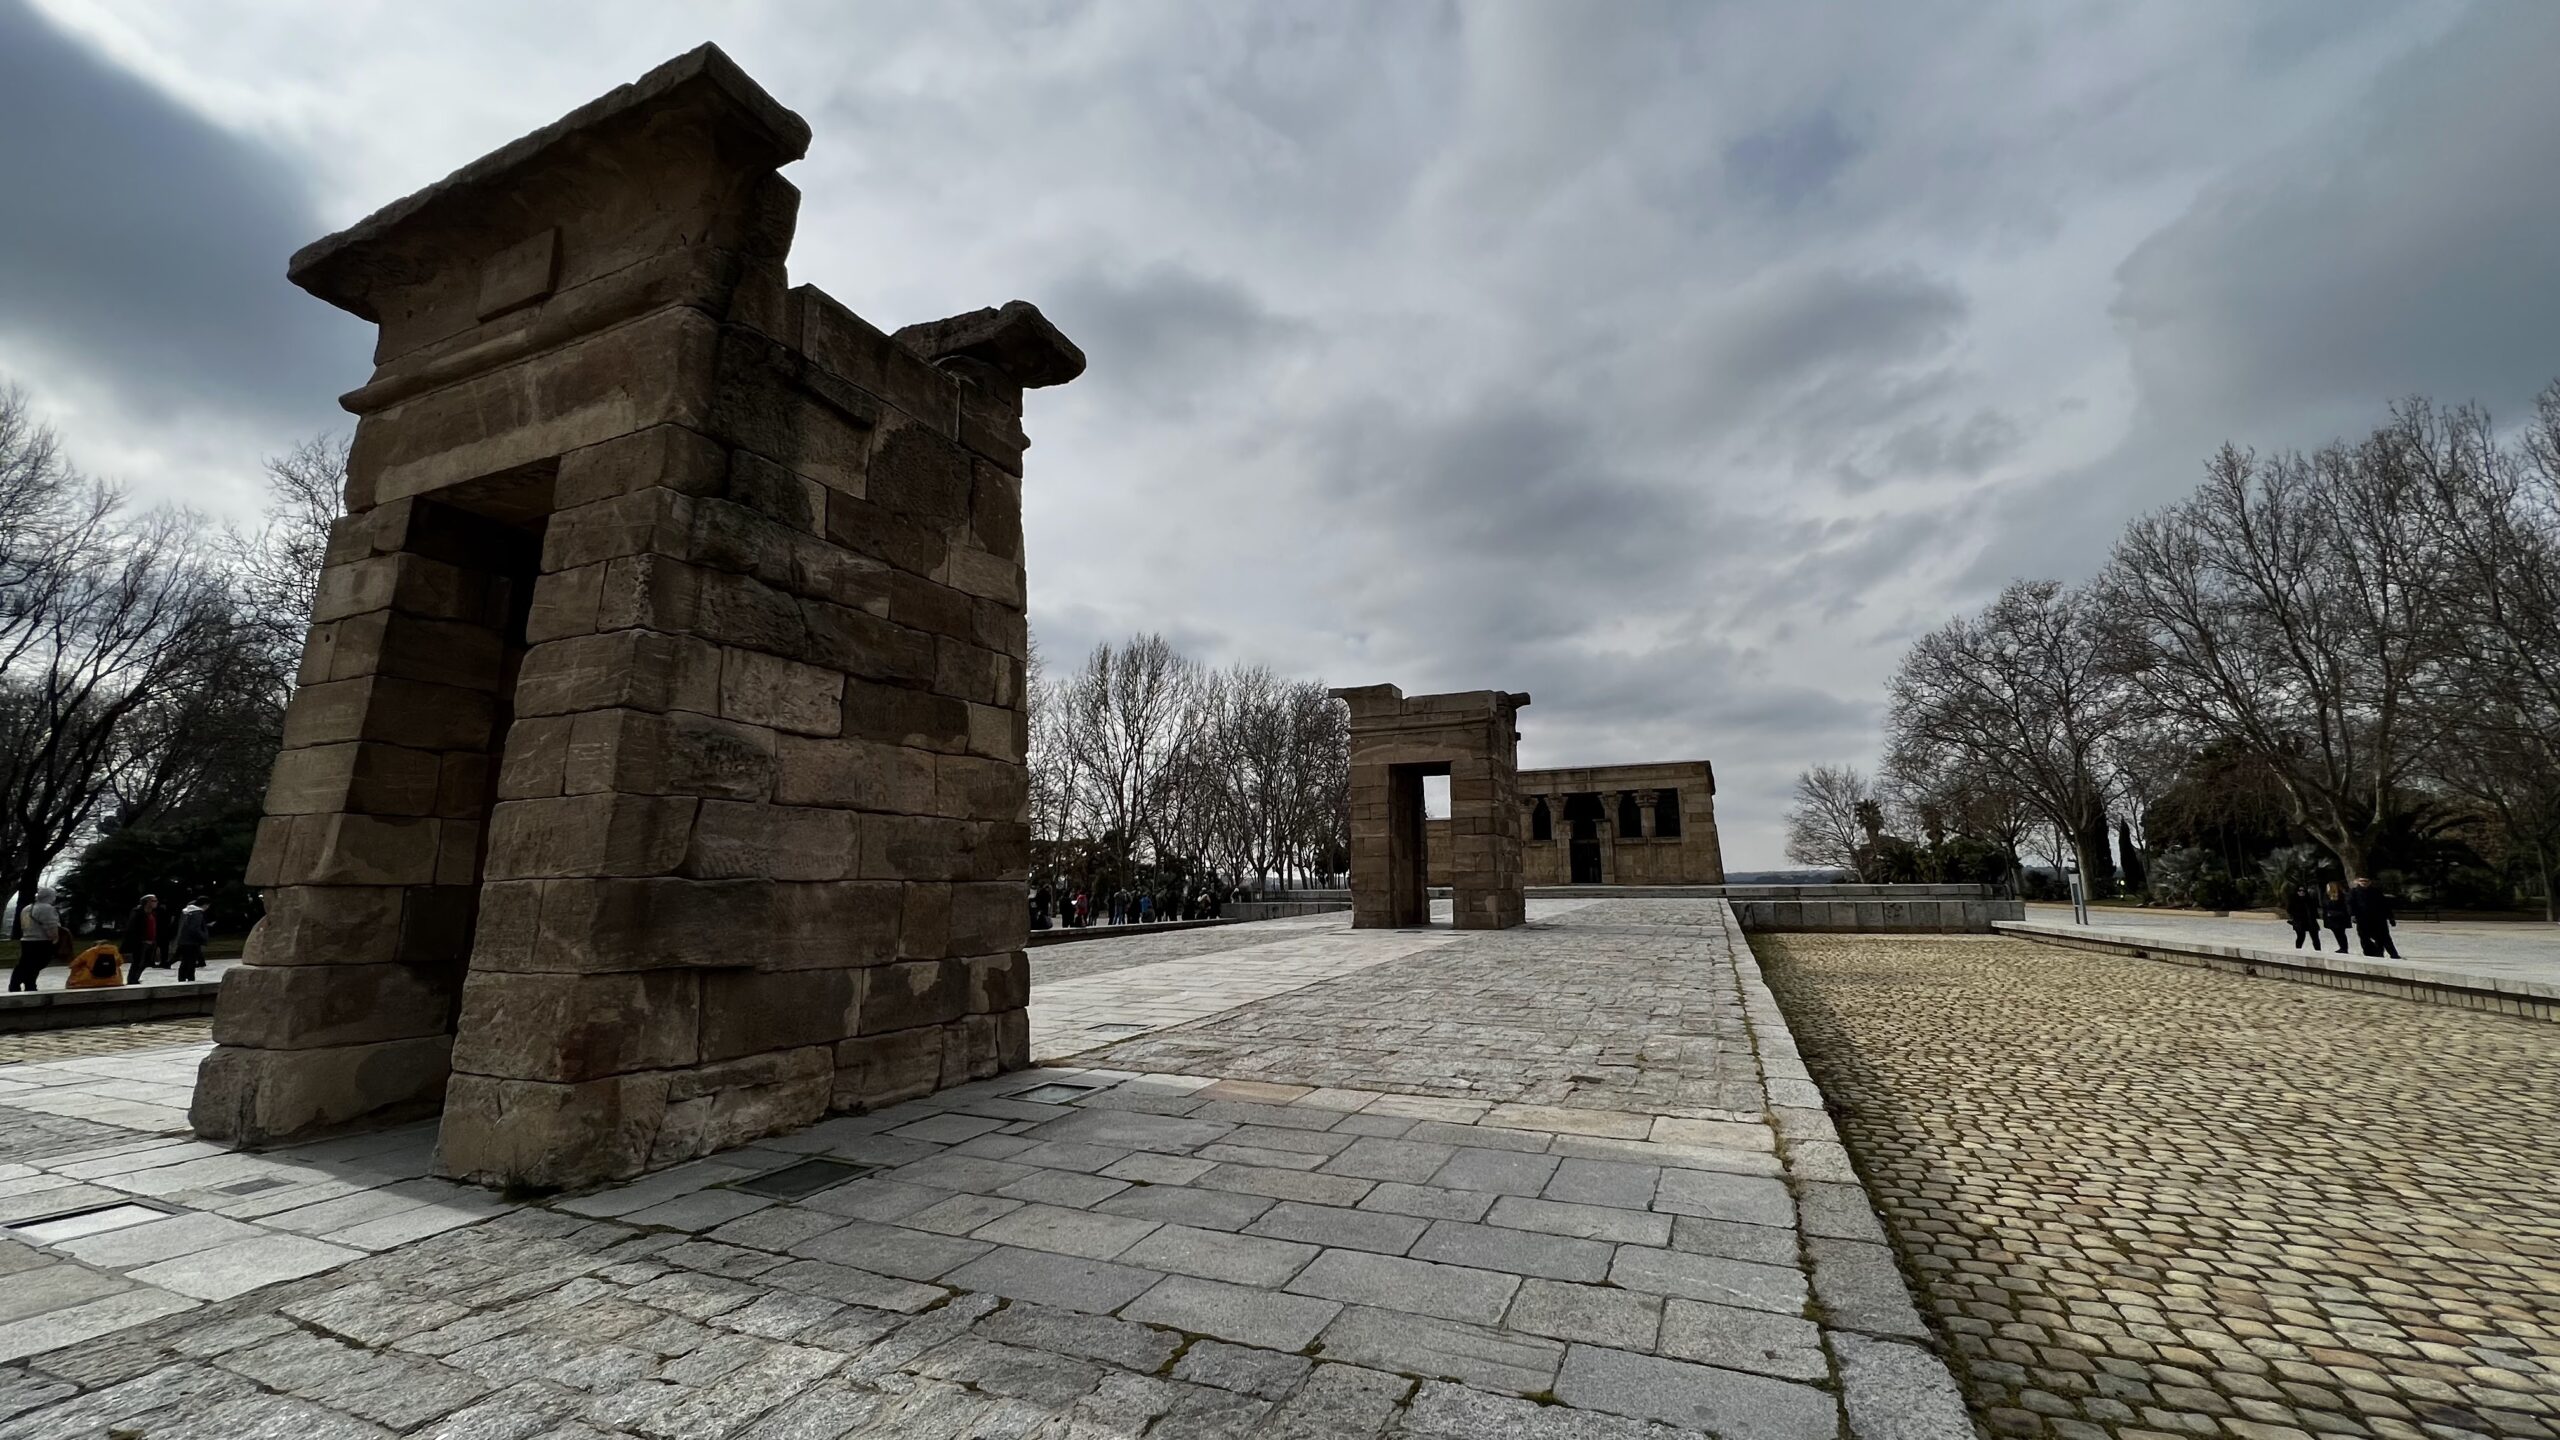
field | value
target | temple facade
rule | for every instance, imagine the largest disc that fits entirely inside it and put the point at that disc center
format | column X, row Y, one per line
column 1612, row 825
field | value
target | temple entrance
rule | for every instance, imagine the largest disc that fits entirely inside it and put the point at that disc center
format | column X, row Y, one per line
column 1586, row 855
column 1409, row 843
column 1583, row 813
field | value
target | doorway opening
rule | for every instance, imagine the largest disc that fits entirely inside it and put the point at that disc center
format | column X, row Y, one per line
column 1409, row 840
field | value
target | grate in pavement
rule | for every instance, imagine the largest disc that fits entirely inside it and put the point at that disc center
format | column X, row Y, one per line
column 89, row 1220
column 252, row 1187
column 1056, row 1092
column 808, row 1177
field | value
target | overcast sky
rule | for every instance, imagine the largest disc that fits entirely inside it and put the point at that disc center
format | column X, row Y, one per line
column 1676, row 363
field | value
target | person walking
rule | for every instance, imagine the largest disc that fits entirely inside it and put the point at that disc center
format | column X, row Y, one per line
column 2371, row 910
column 141, row 939
column 40, row 936
column 195, row 927
column 1146, row 908
column 2333, row 913
column 2302, row 912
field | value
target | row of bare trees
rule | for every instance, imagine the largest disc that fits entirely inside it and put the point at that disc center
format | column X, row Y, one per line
column 2372, row 629
column 1145, row 762
column 145, row 657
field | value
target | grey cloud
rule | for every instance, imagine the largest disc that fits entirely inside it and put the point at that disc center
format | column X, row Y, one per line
column 141, row 242
column 1793, row 160
column 1163, row 335
column 2404, row 250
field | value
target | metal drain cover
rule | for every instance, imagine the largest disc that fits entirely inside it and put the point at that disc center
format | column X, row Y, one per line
column 808, row 1177
column 252, row 1187
column 1056, row 1092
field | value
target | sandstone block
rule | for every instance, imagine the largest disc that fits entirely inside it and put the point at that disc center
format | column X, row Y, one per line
column 918, row 474
column 854, row 774
column 784, row 695
column 680, row 753
column 565, row 603
column 971, row 1049
column 464, row 654
column 594, row 926
column 626, row 669
column 606, row 833
column 391, row 710
column 910, row 993
column 901, row 846
column 999, row 733
column 885, row 535
column 998, row 983
column 877, row 1070
column 537, row 1134
column 664, row 457
column 346, row 849
column 913, row 718
column 925, row 931
column 366, row 777
column 846, row 923
column 970, row 788
column 989, row 916
column 302, row 1007
column 640, row 522
column 736, row 840
column 864, row 645
column 747, row 1012
column 331, row 925
column 537, row 756
column 258, row 1097
column 718, row 1106
column 576, row 1027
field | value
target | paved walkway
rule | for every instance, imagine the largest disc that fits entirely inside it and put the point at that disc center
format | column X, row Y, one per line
column 1584, row 1196
column 2154, row 1201
column 2514, row 950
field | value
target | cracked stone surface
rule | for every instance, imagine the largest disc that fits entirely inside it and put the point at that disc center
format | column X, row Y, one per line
column 1481, row 1217
column 2146, row 1200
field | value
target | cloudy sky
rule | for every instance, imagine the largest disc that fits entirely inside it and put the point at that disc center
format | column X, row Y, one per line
column 1676, row 363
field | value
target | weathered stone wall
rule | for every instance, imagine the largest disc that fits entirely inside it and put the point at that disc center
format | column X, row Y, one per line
column 656, row 778
column 1692, row 857
column 1395, row 742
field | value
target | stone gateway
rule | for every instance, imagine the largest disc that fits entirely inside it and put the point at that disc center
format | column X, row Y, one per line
column 655, row 779
column 1470, row 736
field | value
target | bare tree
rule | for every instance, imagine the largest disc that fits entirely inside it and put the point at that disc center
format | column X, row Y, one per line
column 2284, row 608
column 276, row 569
column 2022, row 692
column 1825, row 824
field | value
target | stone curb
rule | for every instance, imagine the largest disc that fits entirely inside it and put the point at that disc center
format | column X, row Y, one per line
column 106, row 1005
column 1893, row 1383
column 2520, row 998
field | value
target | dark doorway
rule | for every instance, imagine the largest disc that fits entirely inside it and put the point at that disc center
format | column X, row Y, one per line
column 1584, row 813
column 1408, row 844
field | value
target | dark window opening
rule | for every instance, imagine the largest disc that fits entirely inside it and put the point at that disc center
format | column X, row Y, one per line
column 1630, row 816
column 1542, row 823
column 1666, row 814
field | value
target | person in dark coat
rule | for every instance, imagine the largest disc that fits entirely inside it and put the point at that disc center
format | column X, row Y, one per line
column 2333, row 913
column 195, row 927
column 2371, row 910
column 142, row 938
column 42, row 939
column 2303, row 913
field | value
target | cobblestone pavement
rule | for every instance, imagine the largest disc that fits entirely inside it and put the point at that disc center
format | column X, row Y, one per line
column 20, row 1046
column 1059, row 1253
column 2148, row 1200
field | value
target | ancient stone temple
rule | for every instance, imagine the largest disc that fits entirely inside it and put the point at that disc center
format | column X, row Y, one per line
column 655, row 779
column 1396, row 743
column 1615, row 825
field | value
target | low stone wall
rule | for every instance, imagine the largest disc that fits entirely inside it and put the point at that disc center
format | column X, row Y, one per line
column 107, row 1005
column 1860, row 909
column 1068, row 935
column 2499, row 995
column 1282, row 909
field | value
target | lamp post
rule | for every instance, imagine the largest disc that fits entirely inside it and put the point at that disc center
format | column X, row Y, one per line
column 2079, row 893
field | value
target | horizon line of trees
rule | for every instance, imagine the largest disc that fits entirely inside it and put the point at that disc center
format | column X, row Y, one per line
column 1151, row 771
column 2316, row 665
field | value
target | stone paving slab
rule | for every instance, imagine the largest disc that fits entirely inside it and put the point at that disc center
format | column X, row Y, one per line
column 2144, row 1200
column 1240, row 1248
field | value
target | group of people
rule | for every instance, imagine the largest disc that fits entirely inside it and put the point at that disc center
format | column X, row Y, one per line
column 1075, row 909
column 2335, row 907
column 149, row 938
